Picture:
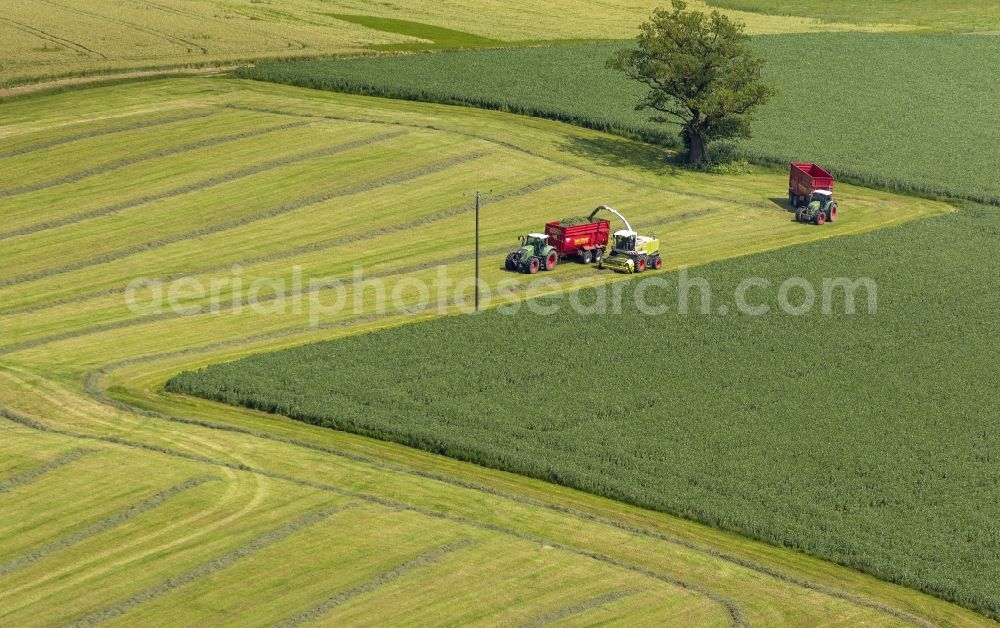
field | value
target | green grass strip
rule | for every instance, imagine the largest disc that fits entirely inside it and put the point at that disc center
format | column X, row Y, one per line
column 440, row 36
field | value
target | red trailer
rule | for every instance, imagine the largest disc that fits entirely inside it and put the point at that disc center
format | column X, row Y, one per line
column 586, row 242
column 804, row 179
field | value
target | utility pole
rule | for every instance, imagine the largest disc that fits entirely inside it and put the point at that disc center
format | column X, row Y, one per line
column 477, row 251
column 479, row 202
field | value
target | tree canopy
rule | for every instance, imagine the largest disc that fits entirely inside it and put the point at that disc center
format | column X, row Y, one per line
column 701, row 73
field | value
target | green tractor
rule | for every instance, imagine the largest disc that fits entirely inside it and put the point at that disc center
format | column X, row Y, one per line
column 535, row 254
column 820, row 210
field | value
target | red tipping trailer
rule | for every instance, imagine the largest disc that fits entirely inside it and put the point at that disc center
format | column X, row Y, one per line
column 585, row 242
column 804, row 179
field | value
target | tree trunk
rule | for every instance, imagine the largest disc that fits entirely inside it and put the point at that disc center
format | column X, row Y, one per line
column 696, row 147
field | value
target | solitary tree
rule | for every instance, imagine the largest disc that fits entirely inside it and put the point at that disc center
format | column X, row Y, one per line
column 700, row 73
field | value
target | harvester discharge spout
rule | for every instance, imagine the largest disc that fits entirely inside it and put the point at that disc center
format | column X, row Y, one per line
column 613, row 211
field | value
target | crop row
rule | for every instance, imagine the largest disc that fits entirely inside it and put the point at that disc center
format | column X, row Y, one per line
column 945, row 146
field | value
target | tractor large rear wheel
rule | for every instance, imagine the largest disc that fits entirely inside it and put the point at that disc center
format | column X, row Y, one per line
column 657, row 263
column 551, row 260
column 832, row 213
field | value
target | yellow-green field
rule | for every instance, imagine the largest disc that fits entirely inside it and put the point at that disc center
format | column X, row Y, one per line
column 46, row 38
column 122, row 504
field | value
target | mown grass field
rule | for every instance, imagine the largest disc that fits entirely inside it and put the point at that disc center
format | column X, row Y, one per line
column 944, row 145
column 868, row 439
column 177, row 503
column 47, row 38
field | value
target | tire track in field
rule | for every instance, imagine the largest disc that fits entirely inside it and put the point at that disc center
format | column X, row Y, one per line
column 142, row 28
column 220, row 514
column 178, row 11
column 93, row 388
column 108, row 523
column 251, row 218
column 133, row 126
column 509, row 145
column 300, row 250
column 732, row 609
column 425, row 559
column 150, row 156
column 206, row 569
column 59, row 41
column 204, row 184
column 29, row 476
column 580, row 607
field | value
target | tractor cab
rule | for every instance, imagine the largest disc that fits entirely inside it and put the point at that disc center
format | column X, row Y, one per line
column 536, row 242
column 625, row 241
column 823, row 197
column 630, row 242
column 534, row 254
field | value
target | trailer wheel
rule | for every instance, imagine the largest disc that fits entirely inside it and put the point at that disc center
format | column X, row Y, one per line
column 820, row 218
column 657, row 263
column 533, row 265
column 551, row 260
column 640, row 264
column 587, row 257
column 793, row 202
column 598, row 255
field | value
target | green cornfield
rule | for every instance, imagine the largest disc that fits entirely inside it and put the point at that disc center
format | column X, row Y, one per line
column 946, row 146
